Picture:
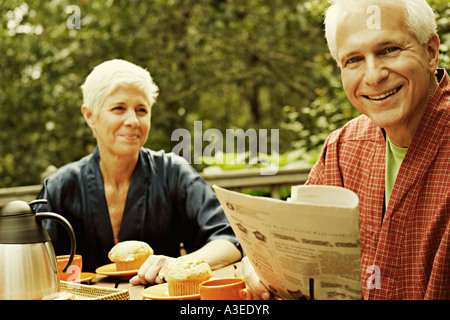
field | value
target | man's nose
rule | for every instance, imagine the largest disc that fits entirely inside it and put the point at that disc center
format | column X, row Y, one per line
column 375, row 72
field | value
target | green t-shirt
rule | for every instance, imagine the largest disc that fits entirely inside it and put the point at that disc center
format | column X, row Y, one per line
column 394, row 158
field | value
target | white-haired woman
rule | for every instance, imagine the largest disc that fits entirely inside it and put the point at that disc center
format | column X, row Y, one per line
column 123, row 191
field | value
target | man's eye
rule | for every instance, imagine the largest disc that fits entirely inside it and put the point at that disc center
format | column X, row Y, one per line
column 353, row 60
column 392, row 49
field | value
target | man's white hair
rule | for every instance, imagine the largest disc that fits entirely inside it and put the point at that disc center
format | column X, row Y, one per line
column 420, row 18
column 112, row 74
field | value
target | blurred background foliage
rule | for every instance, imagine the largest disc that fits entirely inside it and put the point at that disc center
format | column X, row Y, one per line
column 260, row 64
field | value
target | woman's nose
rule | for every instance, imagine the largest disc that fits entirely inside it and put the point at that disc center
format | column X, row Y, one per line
column 131, row 118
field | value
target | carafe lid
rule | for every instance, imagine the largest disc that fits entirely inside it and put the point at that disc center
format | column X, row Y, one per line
column 15, row 208
column 19, row 224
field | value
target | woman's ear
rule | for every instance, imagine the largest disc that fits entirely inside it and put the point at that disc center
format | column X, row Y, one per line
column 88, row 116
column 433, row 52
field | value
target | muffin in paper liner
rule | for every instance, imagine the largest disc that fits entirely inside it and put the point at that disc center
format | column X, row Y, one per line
column 185, row 274
column 129, row 255
column 130, row 265
column 185, row 287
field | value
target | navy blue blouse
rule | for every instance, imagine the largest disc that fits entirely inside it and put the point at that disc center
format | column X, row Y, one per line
column 167, row 203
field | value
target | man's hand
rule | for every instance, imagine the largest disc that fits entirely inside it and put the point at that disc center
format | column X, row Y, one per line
column 246, row 271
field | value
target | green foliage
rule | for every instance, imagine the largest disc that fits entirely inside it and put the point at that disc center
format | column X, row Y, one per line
column 235, row 161
column 231, row 64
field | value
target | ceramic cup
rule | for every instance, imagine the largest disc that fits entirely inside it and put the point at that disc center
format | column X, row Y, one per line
column 225, row 289
column 74, row 271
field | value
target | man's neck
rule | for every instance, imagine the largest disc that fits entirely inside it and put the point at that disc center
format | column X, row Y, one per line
column 403, row 136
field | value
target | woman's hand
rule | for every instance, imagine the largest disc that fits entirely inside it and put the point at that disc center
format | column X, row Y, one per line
column 217, row 253
column 152, row 271
column 246, row 271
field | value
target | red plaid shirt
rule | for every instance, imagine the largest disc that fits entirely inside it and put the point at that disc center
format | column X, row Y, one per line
column 410, row 248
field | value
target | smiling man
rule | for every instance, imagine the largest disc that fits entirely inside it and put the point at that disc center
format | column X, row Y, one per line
column 396, row 156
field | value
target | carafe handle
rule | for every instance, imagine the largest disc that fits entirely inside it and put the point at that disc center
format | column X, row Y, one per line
column 63, row 221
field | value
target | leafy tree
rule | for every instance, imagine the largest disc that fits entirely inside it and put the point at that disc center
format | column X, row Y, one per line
column 260, row 64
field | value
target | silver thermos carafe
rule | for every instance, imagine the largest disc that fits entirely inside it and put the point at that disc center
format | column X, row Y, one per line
column 28, row 268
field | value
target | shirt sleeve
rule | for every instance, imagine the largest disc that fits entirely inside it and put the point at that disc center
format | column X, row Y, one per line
column 204, row 214
column 316, row 175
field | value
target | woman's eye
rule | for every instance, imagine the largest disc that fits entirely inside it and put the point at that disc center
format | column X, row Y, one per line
column 142, row 110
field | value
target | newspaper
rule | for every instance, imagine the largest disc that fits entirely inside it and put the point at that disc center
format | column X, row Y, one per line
column 304, row 247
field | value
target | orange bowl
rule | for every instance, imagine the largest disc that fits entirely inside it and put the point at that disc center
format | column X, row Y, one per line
column 74, row 271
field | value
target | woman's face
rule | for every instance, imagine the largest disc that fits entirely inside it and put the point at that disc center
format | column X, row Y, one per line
column 123, row 122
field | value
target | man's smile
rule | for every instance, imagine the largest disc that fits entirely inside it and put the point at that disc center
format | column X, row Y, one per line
column 384, row 95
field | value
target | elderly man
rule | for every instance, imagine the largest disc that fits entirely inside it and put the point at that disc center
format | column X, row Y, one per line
column 396, row 156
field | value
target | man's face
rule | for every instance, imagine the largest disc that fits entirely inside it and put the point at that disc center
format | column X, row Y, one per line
column 386, row 73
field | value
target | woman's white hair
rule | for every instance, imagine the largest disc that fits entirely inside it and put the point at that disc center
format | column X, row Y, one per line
column 420, row 19
column 112, row 74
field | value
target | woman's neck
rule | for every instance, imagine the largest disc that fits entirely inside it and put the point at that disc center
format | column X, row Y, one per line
column 117, row 171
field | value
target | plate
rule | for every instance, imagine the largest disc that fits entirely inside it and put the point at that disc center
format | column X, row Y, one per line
column 85, row 277
column 110, row 270
column 161, row 292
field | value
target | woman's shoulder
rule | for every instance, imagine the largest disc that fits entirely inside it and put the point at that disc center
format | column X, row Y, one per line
column 71, row 172
column 161, row 157
column 169, row 165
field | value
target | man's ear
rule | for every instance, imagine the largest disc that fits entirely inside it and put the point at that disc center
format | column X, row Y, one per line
column 88, row 116
column 433, row 52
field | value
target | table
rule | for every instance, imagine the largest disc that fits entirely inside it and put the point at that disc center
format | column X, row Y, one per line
column 136, row 291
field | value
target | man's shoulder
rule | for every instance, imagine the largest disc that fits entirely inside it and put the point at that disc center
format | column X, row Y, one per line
column 360, row 128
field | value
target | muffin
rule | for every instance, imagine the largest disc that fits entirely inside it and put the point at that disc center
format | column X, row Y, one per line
column 130, row 255
column 184, row 275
